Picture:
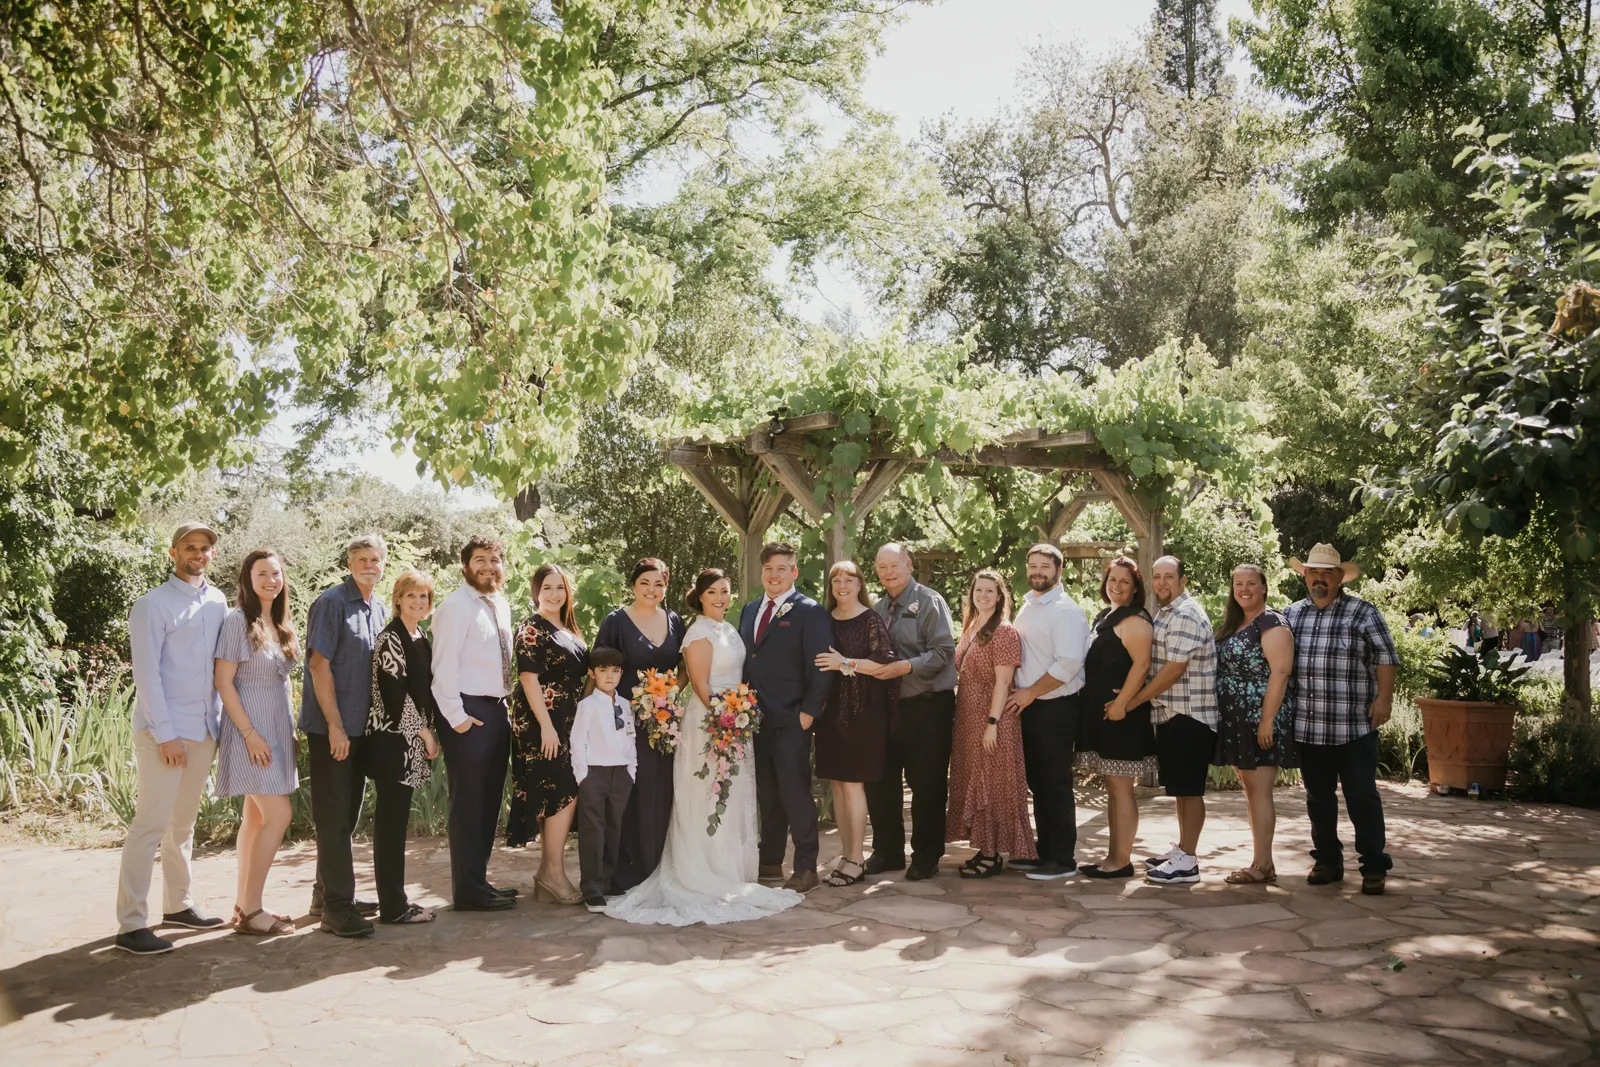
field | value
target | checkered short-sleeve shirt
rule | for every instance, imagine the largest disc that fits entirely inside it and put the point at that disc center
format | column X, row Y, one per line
column 1337, row 652
column 1183, row 634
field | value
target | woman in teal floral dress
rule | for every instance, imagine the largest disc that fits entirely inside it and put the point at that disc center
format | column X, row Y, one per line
column 1255, row 657
column 551, row 663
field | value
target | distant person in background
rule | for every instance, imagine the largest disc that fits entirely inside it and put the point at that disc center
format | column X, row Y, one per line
column 1491, row 635
column 335, row 698
column 1474, row 632
column 255, row 653
column 1549, row 629
column 1532, row 643
column 1344, row 672
column 176, row 718
column 400, row 739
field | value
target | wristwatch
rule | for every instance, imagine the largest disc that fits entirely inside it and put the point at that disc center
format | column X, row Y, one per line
column 993, row 721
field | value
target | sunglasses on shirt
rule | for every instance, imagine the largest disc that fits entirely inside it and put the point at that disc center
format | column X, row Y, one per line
column 616, row 712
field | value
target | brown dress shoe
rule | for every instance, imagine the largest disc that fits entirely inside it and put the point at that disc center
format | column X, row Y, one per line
column 802, row 881
column 770, row 874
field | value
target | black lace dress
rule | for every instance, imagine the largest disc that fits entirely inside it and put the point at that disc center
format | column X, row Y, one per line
column 1126, row 746
column 852, row 737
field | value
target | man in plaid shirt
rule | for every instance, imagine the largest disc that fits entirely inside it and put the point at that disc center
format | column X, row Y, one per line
column 1344, row 669
column 1182, row 689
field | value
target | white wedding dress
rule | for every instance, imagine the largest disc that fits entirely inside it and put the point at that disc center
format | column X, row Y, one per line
column 706, row 878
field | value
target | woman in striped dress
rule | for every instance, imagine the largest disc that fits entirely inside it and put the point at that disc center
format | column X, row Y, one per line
column 256, row 760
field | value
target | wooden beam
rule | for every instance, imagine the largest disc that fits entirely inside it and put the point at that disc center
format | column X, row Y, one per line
column 794, row 477
column 877, row 485
column 704, row 455
column 1062, row 521
column 1120, row 489
column 1092, row 549
column 765, row 508
column 1004, row 456
column 1038, row 437
column 821, row 420
column 729, row 506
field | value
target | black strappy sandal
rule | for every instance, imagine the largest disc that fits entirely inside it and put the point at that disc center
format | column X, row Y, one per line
column 981, row 866
column 838, row 879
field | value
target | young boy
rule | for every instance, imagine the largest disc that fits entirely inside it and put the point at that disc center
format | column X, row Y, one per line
column 604, row 762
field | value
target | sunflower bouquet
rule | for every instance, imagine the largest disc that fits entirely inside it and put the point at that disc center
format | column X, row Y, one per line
column 730, row 724
column 659, row 710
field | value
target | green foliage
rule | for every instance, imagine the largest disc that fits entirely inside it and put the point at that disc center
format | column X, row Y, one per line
column 1553, row 759
column 1489, row 677
column 98, row 586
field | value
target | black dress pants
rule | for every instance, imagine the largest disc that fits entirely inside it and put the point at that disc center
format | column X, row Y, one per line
column 918, row 755
column 1049, row 733
column 602, row 798
column 336, row 790
column 1352, row 767
column 783, row 790
column 390, row 818
column 475, row 768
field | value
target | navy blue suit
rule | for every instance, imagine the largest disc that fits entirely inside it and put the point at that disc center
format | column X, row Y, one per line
column 782, row 669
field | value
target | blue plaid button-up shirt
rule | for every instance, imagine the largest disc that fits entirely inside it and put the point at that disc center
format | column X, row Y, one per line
column 1337, row 652
column 344, row 628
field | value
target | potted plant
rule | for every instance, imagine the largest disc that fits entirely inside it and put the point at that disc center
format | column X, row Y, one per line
column 1467, row 723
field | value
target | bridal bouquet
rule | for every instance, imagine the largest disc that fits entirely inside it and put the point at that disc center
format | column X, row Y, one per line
column 660, row 713
column 731, row 724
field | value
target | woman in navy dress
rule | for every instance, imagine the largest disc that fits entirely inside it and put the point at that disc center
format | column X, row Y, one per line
column 255, row 652
column 649, row 636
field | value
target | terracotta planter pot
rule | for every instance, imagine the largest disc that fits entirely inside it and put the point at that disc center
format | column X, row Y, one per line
column 1467, row 742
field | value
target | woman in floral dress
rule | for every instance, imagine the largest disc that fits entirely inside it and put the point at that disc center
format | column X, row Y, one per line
column 988, row 782
column 1255, row 657
column 551, row 663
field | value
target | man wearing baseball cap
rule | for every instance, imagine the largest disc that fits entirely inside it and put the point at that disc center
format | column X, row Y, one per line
column 176, row 718
column 1344, row 670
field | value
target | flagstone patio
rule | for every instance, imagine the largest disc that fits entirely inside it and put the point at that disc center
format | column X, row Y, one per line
column 1486, row 949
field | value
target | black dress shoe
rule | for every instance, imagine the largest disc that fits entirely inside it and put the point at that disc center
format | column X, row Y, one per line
column 506, row 891
column 1324, row 874
column 492, row 904
column 917, row 874
column 363, row 907
column 345, row 924
column 1372, row 884
column 1027, row 865
column 192, row 920
column 877, row 864
column 1094, row 870
column 143, row 942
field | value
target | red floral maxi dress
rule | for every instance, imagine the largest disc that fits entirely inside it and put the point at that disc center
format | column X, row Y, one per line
column 988, row 790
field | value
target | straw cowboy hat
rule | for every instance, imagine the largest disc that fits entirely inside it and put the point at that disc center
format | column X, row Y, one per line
column 1324, row 555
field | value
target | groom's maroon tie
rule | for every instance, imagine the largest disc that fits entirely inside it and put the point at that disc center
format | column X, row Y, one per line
column 766, row 617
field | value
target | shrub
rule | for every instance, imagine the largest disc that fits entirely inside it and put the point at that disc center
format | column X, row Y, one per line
column 1553, row 759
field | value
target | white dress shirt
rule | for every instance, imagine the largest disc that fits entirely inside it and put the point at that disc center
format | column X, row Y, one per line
column 596, row 741
column 468, row 628
column 1055, row 640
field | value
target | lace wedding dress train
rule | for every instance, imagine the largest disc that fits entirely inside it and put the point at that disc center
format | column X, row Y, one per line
column 706, row 878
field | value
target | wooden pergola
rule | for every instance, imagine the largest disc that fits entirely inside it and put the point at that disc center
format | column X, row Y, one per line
column 753, row 481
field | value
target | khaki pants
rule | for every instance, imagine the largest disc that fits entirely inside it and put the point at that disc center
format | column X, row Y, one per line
column 169, row 799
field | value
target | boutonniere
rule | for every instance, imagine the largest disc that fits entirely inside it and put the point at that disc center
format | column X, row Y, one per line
column 913, row 607
column 784, row 610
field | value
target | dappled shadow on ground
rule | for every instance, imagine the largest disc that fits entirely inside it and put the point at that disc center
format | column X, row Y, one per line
column 1486, row 946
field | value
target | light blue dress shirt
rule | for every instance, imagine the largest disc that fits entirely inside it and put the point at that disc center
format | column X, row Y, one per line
column 173, row 630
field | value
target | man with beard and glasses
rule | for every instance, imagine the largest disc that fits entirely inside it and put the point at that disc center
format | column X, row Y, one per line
column 1055, row 640
column 1344, row 670
column 473, row 673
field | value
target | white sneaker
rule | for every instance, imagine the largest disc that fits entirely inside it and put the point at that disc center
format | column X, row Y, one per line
column 1172, row 853
column 1179, row 870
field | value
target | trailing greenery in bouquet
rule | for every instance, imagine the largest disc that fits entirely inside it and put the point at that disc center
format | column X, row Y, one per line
column 731, row 724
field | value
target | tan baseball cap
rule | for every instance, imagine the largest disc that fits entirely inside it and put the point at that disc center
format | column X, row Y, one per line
column 186, row 528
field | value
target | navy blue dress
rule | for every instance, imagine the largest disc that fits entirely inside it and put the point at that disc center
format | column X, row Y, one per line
column 649, row 813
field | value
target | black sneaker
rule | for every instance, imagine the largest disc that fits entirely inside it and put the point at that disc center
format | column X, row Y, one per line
column 1050, row 871
column 1027, row 865
column 363, row 907
column 345, row 924
column 192, row 920
column 595, row 903
column 143, row 942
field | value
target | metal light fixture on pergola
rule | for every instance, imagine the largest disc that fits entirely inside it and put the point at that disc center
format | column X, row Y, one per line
column 753, row 481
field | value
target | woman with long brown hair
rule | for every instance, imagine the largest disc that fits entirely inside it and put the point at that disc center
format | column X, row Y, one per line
column 988, row 780
column 852, row 739
column 552, row 661
column 255, row 653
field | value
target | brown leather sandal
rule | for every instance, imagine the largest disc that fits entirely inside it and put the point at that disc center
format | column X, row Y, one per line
column 251, row 924
column 1253, row 875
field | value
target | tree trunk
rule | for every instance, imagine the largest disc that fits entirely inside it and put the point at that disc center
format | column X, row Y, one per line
column 1577, row 644
column 527, row 503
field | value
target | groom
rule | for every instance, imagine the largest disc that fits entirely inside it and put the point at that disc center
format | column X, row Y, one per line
column 784, row 632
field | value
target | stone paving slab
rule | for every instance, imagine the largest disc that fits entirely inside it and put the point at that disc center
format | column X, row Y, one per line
column 1485, row 950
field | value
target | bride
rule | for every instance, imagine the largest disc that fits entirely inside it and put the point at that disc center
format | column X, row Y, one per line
column 706, row 878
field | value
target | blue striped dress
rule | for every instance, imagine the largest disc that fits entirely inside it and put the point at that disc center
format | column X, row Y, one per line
column 263, row 684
